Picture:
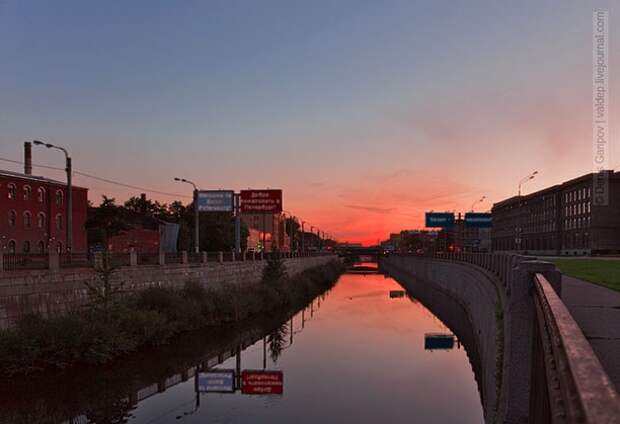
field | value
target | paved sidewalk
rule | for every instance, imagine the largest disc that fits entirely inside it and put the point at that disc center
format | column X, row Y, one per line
column 597, row 312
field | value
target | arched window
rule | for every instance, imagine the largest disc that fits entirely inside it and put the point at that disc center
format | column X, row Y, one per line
column 27, row 192
column 12, row 246
column 41, row 195
column 59, row 222
column 26, row 247
column 59, row 197
column 59, row 247
column 41, row 220
column 12, row 191
column 27, row 219
column 12, row 218
column 41, row 248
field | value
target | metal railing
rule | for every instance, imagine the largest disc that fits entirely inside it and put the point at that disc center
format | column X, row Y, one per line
column 75, row 260
column 569, row 384
column 23, row 261
column 578, row 388
column 147, row 258
column 26, row 261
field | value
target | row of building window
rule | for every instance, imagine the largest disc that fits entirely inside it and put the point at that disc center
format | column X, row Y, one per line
column 41, row 220
column 27, row 247
column 570, row 241
column 578, row 208
column 578, row 195
column 12, row 194
column 577, row 223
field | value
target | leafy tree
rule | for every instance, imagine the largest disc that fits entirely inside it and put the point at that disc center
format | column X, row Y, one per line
column 146, row 207
column 105, row 221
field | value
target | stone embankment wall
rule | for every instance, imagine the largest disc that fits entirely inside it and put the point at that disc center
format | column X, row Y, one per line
column 51, row 292
column 476, row 293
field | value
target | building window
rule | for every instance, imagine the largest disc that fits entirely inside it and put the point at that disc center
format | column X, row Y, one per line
column 27, row 192
column 12, row 246
column 12, row 218
column 59, row 222
column 41, row 220
column 26, row 247
column 41, row 195
column 41, row 248
column 59, row 197
column 27, row 219
column 12, row 191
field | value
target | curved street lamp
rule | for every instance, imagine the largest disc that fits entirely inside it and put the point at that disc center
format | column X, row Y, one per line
column 477, row 201
column 69, row 206
column 526, row 179
column 196, row 221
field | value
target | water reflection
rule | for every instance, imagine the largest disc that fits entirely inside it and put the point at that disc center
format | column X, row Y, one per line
column 355, row 354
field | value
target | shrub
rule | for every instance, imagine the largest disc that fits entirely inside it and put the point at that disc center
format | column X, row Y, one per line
column 151, row 317
column 274, row 272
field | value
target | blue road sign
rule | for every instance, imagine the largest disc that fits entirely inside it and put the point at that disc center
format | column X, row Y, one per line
column 439, row 219
column 216, row 381
column 438, row 341
column 215, row 200
column 478, row 220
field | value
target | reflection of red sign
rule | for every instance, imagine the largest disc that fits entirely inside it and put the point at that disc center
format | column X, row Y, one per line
column 262, row 382
column 261, row 201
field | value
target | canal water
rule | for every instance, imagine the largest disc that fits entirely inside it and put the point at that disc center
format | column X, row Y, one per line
column 364, row 352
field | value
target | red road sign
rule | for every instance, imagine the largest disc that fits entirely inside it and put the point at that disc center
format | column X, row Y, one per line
column 261, row 201
column 262, row 382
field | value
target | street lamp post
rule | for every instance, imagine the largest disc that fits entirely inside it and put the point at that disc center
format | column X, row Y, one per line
column 69, row 208
column 477, row 201
column 303, row 245
column 196, row 220
column 291, row 229
column 526, row 179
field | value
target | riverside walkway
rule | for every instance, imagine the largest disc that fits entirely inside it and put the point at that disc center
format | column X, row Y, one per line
column 596, row 310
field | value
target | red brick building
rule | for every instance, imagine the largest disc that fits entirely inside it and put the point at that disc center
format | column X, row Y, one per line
column 33, row 214
column 139, row 239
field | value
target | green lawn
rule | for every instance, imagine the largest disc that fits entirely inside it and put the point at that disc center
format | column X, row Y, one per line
column 602, row 272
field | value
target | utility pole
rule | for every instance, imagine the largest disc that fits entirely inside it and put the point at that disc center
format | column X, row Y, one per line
column 69, row 204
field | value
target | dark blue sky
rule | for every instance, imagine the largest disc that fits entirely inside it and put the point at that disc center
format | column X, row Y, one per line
column 390, row 106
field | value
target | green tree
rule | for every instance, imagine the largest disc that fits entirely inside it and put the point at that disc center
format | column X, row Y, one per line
column 101, row 291
column 274, row 272
column 105, row 221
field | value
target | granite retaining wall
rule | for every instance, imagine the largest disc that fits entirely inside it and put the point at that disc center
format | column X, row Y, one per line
column 53, row 292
